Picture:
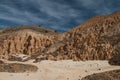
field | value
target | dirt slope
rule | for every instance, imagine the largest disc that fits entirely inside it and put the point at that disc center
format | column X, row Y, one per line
column 96, row 39
column 110, row 75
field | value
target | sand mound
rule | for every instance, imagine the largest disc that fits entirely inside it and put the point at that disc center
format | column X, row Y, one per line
column 111, row 75
column 17, row 68
column 61, row 70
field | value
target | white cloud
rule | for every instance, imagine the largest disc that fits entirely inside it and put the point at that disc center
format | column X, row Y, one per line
column 21, row 17
column 52, row 13
column 55, row 9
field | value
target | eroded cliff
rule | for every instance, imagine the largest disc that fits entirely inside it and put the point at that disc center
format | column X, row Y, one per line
column 26, row 41
column 96, row 39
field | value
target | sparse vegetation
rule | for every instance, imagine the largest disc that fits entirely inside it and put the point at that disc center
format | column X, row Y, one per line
column 110, row 75
column 35, row 28
column 17, row 68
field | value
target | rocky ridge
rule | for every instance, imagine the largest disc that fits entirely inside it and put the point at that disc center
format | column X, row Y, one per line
column 26, row 41
column 96, row 39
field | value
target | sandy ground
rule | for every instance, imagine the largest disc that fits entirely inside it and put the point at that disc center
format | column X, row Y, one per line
column 60, row 70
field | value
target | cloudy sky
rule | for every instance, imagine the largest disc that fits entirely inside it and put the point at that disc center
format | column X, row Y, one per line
column 61, row 15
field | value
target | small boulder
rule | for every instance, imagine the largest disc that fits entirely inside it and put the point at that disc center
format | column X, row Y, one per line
column 19, row 57
column 1, row 62
column 39, row 58
column 115, row 60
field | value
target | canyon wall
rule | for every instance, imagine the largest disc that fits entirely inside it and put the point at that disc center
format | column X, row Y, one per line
column 96, row 39
column 23, row 42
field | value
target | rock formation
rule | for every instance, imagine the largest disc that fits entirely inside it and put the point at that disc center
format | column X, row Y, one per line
column 115, row 60
column 26, row 41
column 96, row 39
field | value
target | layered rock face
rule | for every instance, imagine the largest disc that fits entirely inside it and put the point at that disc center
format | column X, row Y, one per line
column 96, row 39
column 23, row 42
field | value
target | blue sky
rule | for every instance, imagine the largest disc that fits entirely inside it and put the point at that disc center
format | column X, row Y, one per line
column 61, row 15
